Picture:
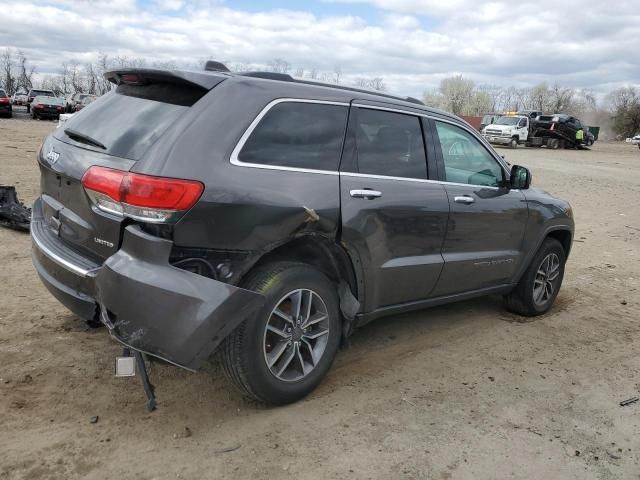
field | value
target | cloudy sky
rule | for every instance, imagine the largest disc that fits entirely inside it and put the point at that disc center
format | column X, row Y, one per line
column 412, row 44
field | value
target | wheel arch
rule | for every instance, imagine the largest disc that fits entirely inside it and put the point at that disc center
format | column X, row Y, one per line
column 564, row 237
column 562, row 233
column 330, row 259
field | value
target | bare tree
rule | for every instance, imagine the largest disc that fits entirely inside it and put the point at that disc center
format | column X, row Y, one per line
column 376, row 83
column 102, row 67
column 560, row 98
column 337, row 74
column 624, row 104
column 278, row 65
column 494, row 92
column 91, row 79
column 25, row 73
column 7, row 66
column 456, row 92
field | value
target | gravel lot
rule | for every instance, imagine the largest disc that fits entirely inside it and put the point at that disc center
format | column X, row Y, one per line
column 465, row 391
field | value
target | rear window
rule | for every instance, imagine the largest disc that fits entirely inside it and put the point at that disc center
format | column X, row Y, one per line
column 298, row 135
column 2, row 94
column 48, row 100
column 44, row 93
column 130, row 119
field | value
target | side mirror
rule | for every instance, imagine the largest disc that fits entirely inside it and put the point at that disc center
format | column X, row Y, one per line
column 520, row 177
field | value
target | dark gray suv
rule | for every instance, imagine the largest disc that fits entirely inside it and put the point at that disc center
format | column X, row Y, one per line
column 263, row 219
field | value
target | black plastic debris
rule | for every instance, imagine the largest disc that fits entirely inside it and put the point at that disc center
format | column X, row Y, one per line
column 13, row 213
column 629, row 401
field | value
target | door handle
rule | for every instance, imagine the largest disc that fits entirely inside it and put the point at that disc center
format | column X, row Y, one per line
column 466, row 199
column 365, row 193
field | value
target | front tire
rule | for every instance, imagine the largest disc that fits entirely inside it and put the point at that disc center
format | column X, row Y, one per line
column 513, row 143
column 281, row 354
column 539, row 286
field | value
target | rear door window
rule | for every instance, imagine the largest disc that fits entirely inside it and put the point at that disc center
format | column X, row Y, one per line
column 298, row 135
column 129, row 120
column 390, row 144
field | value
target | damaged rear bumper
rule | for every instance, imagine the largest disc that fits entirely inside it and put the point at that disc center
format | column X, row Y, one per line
column 146, row 303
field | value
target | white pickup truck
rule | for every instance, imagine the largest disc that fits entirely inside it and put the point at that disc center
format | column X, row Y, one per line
column 509, row 130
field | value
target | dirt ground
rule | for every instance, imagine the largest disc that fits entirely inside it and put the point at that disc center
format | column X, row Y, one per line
column 464, row 391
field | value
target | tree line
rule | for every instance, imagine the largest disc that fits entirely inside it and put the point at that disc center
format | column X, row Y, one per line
column 618, row 112
column 73, row 77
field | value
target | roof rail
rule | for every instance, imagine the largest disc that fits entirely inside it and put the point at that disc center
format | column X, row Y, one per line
column 213, row 66
column 360, row 90
column 414, row 100
column 284, row 77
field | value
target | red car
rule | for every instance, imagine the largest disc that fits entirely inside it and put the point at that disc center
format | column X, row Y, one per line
column 5, row 104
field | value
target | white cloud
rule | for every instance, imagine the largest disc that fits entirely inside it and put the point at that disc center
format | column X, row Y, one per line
column 494, row 42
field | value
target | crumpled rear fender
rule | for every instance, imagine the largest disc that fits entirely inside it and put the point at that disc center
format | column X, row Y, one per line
column 159, row 309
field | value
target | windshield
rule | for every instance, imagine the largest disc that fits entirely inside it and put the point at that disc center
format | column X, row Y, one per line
column 507, row 121
column 47, row 100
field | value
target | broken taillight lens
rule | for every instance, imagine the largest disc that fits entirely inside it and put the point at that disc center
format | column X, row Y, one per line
column 143, row 197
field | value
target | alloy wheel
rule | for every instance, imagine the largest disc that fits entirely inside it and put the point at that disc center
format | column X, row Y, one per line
column 296, row 335
column 546, row 279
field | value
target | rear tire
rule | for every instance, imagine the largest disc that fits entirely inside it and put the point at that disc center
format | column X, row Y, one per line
column 539, row 286
column 255, row 358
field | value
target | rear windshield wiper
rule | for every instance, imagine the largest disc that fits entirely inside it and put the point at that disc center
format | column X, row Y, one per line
column 82, row 138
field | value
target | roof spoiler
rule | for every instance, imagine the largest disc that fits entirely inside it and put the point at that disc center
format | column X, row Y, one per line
column 213, row 66
column 145, row 76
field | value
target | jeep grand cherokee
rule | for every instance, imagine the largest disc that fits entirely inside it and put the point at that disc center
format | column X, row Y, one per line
column 262, row 219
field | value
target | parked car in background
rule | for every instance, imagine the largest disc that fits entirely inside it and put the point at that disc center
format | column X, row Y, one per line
column 635, row 140
column 33, row 93
column 46, row 107
column 19, row 98
column 5, row 104
column 85, row 101
column 75, row 100
column 264, row 218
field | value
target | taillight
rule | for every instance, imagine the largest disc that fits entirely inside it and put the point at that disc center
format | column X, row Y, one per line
column 59, row 109
column 4, row 100
column 39, row 106
column 143, row 197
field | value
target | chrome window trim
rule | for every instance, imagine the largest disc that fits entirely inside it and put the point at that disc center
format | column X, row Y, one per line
column 475, row 134
column 234, row 160
column 420, row 180
column 252, row 126
column 72, row 267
